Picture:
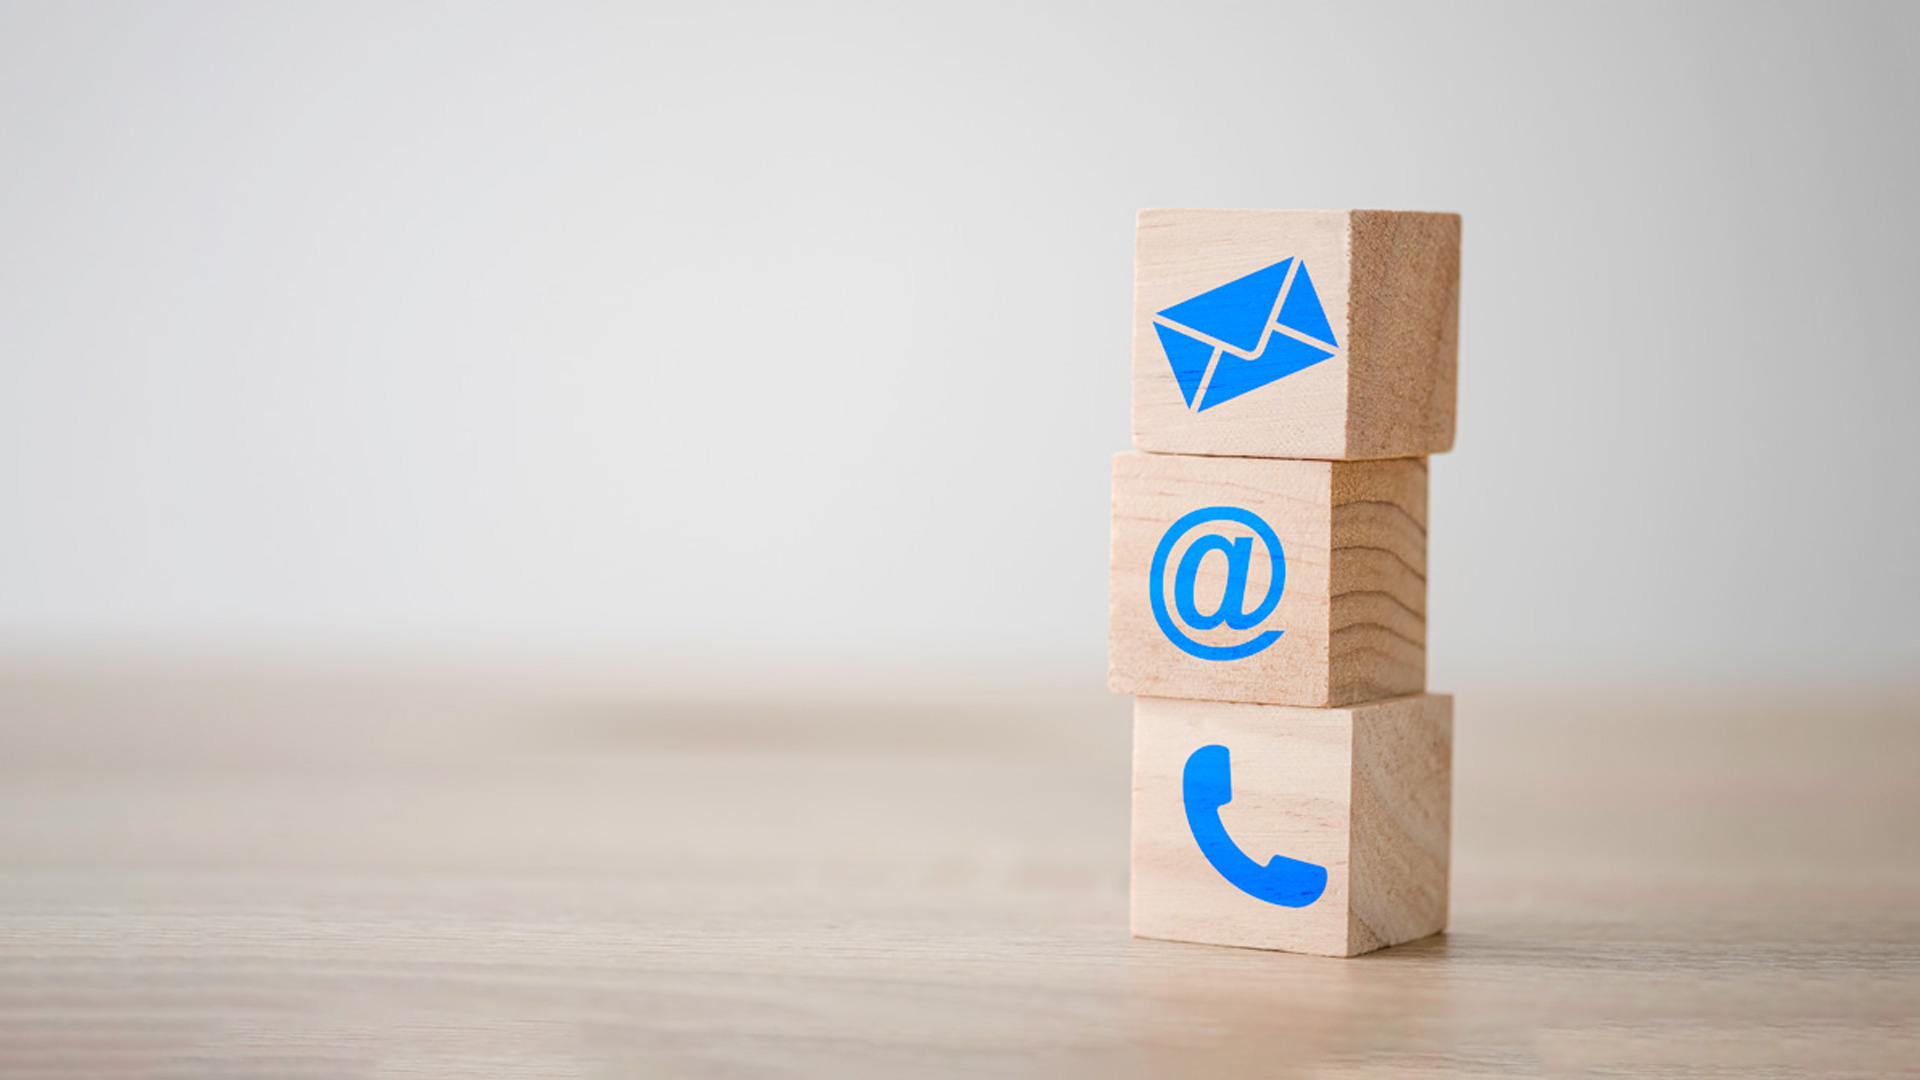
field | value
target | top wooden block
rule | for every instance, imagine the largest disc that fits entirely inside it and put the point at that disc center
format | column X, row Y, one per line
column 1322, row 334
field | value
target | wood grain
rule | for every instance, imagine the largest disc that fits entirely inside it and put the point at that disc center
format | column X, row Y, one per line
column 1401, row 803
column 1352, row 612
column 230, row 871
column 1403, row 324
column 1362, row 791
column 1389, row 282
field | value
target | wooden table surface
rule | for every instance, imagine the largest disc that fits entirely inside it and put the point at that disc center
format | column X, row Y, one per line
column 286, row 874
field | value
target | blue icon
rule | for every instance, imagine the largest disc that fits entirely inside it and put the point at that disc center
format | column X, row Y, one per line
column 1207, row 785
column 1245, row 334
column 1233, row 604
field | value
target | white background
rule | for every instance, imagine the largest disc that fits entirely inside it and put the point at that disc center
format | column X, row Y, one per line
column 755, row 332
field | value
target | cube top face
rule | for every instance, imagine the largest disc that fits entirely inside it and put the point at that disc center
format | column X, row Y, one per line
column 1268, row 581
column 1321, row 831
column 1325, row 334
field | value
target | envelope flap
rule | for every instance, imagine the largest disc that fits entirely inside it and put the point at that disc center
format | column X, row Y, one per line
column 1237, row 312
column 1302, row 310
column 1190, row 358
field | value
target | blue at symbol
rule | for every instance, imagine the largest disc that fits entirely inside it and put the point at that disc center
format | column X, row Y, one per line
column 1232, row 610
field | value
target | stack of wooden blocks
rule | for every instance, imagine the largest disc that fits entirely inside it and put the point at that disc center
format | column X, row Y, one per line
column 1292, row 779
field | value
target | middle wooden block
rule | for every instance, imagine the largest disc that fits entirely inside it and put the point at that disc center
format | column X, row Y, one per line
column 1268, row 581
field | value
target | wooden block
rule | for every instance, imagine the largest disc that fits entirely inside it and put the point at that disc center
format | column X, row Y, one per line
column 1311, row 830
column 1194, row 613
column 1295, row 333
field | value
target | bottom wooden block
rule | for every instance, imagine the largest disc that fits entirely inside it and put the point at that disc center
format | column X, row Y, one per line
column 1275, row 827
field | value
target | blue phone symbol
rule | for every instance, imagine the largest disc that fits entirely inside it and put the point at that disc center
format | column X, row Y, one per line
column 1208, row 785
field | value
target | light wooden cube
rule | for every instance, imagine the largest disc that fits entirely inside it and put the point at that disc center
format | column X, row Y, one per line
column 1194, row 613
column 1311, row 830
column 1295, row 333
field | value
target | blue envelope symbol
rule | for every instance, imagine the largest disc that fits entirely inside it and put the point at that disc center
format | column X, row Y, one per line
column 1245, row 334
